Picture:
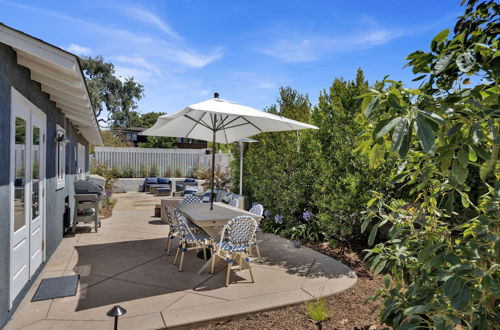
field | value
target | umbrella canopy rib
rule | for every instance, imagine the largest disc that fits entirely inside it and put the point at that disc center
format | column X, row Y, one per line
column 231, row 121
column 248, row 121
column 237, row 125
column 221, row 123
column 199, row 121
column 196, row 123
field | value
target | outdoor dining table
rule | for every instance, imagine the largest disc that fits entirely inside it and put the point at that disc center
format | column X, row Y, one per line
column 212, row 221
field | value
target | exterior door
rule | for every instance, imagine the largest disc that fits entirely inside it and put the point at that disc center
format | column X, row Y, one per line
column 27, row 174
column 37, row 192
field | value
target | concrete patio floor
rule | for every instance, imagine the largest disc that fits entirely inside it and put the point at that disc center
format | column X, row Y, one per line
column 124, row 263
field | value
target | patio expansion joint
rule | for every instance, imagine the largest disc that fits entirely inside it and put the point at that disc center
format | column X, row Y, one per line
column 28, row 325
column 78, row 320
column 96, row 250
column 122, row 272
column 307, row 274
column 173, row 302
column 163, row 319
column 134, row 231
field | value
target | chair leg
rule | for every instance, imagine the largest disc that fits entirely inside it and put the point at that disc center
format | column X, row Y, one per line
column 212, row 266
column 204, row 252
column 169, row 245
column 177, row 253
column 250, row 249
column 182, row 256
column 258, row 253
column 168, row 241
column 228, row 275
column 251, row 273
column 240, row 262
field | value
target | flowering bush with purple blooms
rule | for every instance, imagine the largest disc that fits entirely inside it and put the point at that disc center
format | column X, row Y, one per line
column 307, row 215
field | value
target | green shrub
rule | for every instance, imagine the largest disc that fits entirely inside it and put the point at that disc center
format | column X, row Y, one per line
column 97, row 168
column 443, row 248
column 154, row 171
column 178, row 173
column 128, row 172
column 222, row 177
column 317, row 310
column 143, row 170
column 168, row 173
column 115, row 172
column 315, row 172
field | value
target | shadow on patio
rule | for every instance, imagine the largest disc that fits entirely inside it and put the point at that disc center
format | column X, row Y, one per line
column 125, row 263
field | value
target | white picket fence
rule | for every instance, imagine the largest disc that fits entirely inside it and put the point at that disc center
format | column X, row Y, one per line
column 172, row 160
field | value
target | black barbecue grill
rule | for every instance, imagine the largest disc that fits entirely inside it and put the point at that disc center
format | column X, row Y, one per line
column 87, row 196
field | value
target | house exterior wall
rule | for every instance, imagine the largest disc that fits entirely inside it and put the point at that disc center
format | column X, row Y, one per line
column 18, row 77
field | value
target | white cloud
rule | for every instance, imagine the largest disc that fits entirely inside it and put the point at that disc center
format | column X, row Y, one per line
column 139, row 62
column 378, row 37
column 150, row 18
column 293, row 50
column 193, row 59
column 142, row 76
column 265, row 84
column 175, row 51
column 306, row 48
column 78, row 50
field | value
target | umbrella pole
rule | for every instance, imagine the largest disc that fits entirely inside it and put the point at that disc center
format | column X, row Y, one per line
column 212, row 195
column 241, row 168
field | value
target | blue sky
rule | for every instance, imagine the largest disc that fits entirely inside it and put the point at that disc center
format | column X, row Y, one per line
column 183, row 51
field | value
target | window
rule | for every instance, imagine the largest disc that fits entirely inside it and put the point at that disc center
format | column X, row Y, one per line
column 80, row 161
column 60, row 156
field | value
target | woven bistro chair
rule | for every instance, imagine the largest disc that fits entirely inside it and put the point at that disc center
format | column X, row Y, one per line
column 234, row 243
column 177, row 215
column 257, row 209
column 234, row 202
column 192, row 199
column 190, row 241
column 173, row 227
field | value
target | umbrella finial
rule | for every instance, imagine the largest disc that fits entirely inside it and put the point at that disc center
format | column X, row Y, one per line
column 216, row 95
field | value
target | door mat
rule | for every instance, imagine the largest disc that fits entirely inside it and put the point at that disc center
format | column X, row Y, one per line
column 56, row 287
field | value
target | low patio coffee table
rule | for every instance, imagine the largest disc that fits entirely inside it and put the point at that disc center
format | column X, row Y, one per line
column 211, row 221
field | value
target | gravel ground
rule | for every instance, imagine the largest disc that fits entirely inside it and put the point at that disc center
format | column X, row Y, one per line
column 347, row 309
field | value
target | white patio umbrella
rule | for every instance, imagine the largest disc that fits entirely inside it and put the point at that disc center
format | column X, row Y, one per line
column 221, row 121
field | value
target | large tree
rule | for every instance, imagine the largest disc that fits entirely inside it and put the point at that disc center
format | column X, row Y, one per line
column 112, row 98
column 148, row 120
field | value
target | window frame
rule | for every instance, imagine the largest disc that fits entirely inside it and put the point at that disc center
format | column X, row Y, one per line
column 60, row 160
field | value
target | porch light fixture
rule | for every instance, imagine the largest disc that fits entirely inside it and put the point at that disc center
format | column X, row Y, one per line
column 115, row 312
column 61, row 137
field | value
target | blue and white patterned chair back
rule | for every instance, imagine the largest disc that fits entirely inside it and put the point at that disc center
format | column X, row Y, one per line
column 234, row 202
column 191, row 199
column 171, row 219
column 239, row 230
column 186, row 230
column 257, row 209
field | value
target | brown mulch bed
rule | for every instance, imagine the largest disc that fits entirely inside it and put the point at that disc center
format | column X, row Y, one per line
column 347, row 309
